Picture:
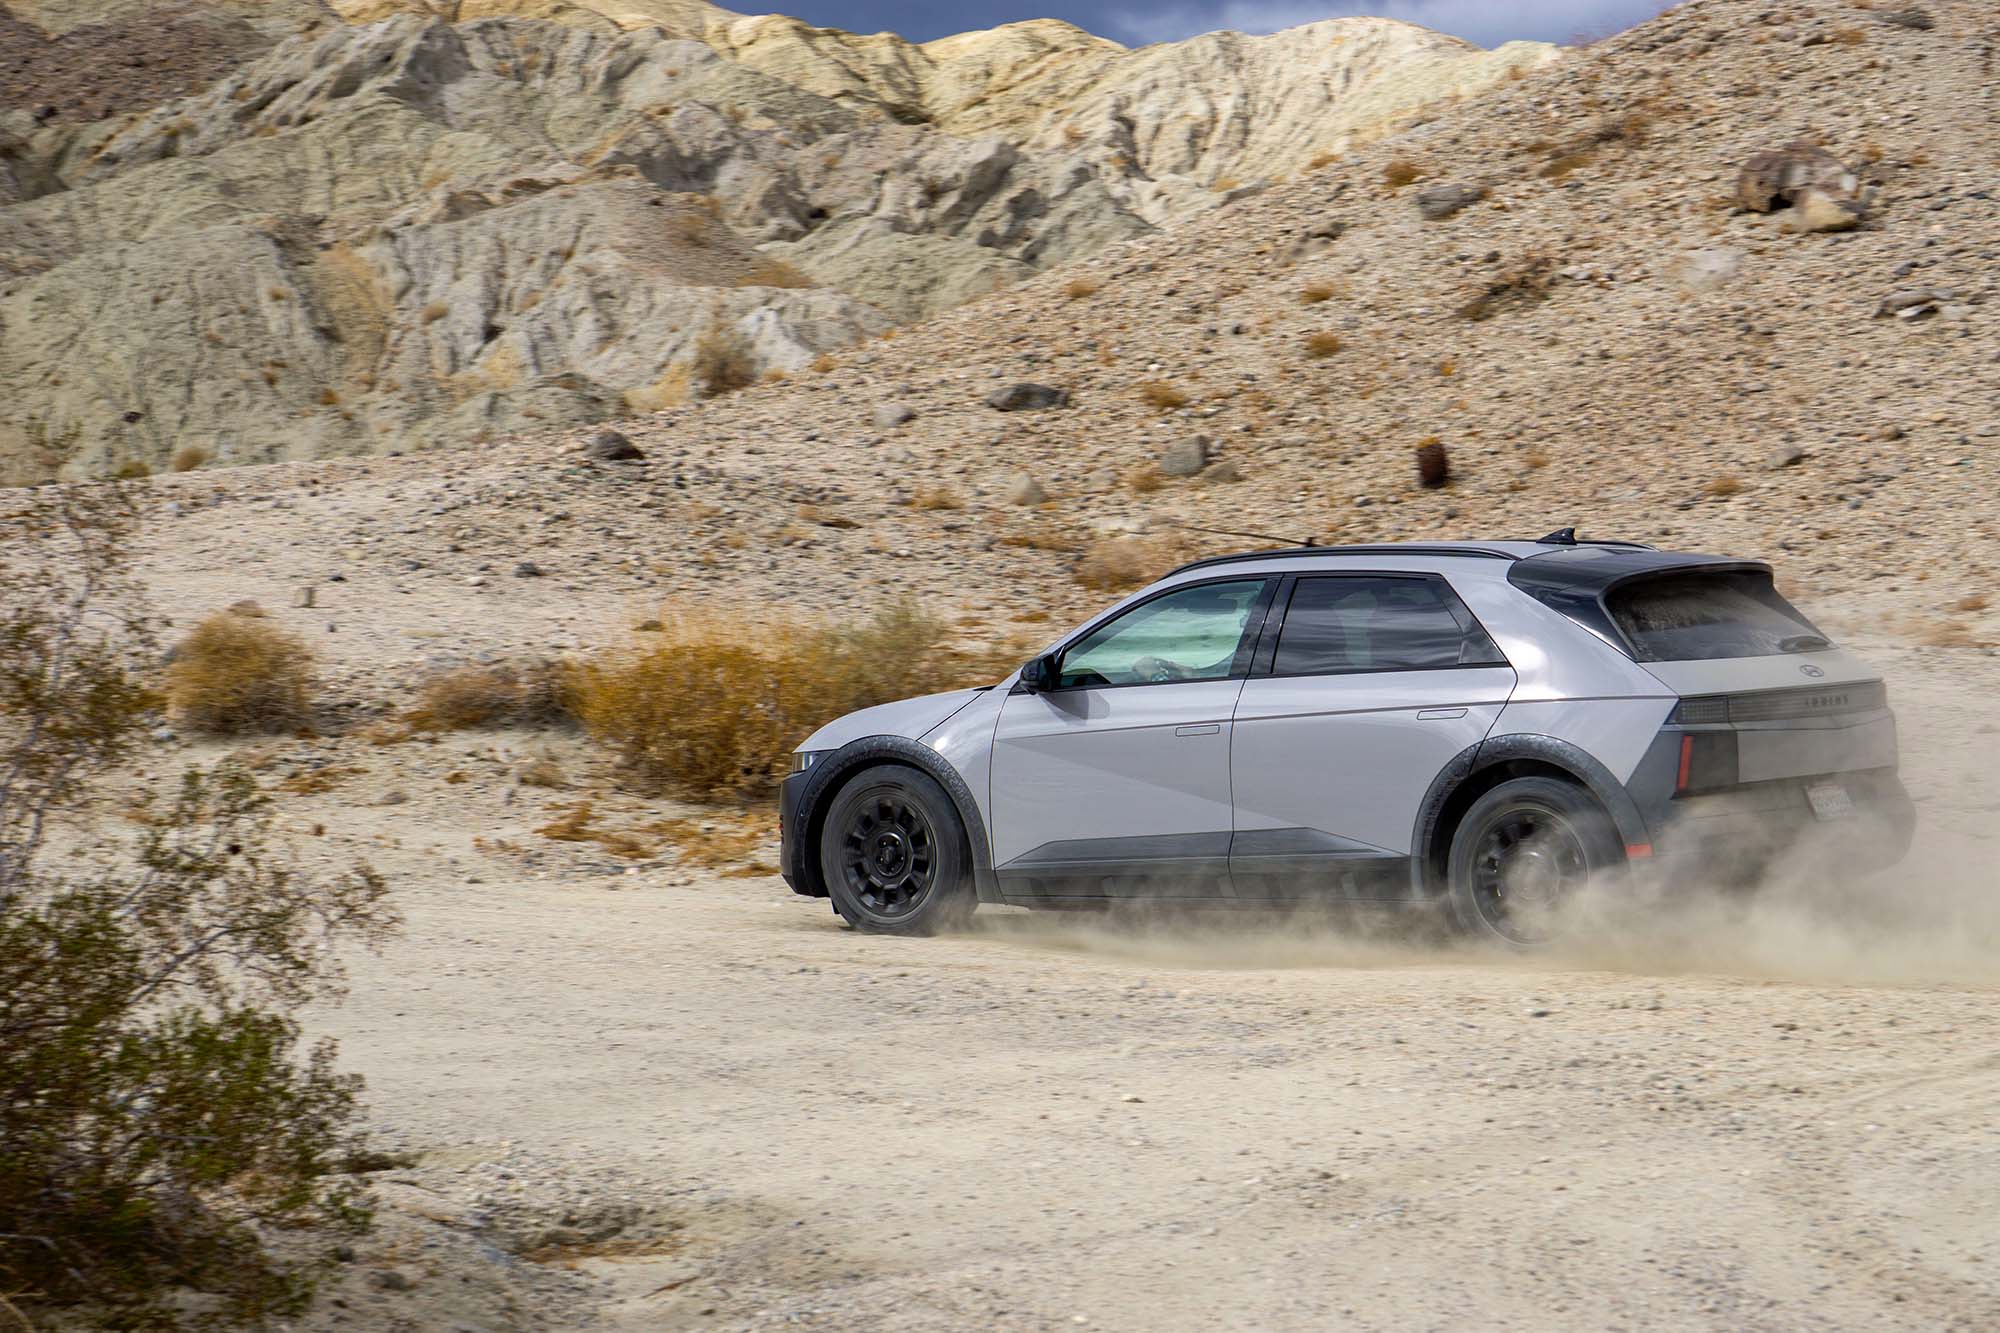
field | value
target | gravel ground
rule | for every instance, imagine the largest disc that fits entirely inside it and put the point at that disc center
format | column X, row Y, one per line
column 698, row 1101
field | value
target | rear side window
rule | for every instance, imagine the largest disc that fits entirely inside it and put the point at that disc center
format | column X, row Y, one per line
column 1364, row 623
column 1700, row 617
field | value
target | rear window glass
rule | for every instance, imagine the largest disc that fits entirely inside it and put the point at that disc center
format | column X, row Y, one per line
column 1701, row 617
column 1358, row 623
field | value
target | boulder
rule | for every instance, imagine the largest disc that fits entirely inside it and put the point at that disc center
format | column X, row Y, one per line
column 1441, row 201
column 1818, row 211
column 1186, row 457
column 888, row 416
column 1780, row 177
column 1914, row 302
column 1023, row 489
column 612, row 446
column 1027, row 398
column 1783, row 456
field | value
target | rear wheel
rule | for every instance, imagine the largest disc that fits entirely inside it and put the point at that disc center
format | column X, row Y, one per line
column 892, row 851
column 1520, row 856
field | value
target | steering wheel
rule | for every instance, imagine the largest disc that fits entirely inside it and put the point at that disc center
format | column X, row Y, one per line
column 1158, row 670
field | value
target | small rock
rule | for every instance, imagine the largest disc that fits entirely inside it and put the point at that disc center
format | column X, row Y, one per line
column 888, row 416
column 1914, row 19
column 1185, row 458
column 393, row 1279
column 527, row 569
column 163, row 734
column 304, row 597
column 1888, row 432
column 1226, row 471
column 1441, row 201
column 1027, row 398
column 1784, row 456
column 395, row 796
column 1131, row 1097
column 1023, row 489
column 248, row 609
column 612, row 446
column 1709, row 270
column 1913, row 302
column 1779, row 178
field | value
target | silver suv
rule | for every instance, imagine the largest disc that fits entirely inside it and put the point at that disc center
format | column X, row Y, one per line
column 1481, row 726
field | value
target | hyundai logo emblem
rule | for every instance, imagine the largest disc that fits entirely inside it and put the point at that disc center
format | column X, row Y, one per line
column 1813, row 671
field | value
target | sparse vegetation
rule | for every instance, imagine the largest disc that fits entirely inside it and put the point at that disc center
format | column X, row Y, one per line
column 1977, row 601
column 1723, row 487
column 1113, row 564
column 1162, row 396
column 1320, row 346
column 1316, row 293
column 435, row 311
column 769, row 272
column 189, row 457
column 1079, row 288
column 235, row 674
column 936, row 496
column 1524, row 282
column 498, row 695
column 1402, row 171
column 723, row 361
column 1145, row 479
column 711, row 705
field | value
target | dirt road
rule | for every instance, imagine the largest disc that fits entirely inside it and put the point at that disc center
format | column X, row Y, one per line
column 1777, row 1117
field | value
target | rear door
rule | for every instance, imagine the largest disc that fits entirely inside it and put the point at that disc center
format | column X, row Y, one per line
column 1116, row 782
column 1372, row 684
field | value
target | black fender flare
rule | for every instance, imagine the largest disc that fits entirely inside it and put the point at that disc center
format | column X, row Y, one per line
column 829, row 774
column 1476, row 759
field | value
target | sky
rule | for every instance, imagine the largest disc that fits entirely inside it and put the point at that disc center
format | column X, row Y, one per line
column 1135, row 22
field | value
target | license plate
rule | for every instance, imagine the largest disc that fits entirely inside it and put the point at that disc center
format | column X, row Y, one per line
column 1830, row 801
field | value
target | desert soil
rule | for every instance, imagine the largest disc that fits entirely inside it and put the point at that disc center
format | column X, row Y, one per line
column 648, row 1096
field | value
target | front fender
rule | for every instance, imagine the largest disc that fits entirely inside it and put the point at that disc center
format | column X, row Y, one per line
column 805, row 813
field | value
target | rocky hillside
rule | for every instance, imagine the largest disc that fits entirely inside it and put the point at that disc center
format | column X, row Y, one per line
column 389, row 224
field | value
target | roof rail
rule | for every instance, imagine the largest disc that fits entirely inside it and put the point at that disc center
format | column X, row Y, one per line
column 1291, row 553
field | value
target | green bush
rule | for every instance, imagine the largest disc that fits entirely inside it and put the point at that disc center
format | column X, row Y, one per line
column 156, row 1109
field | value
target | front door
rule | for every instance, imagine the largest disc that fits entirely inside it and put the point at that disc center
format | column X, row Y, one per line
column 1377, row 682
column 1116, row 781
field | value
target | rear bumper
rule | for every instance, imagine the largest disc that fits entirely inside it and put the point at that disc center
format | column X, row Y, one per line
column 1749, row 831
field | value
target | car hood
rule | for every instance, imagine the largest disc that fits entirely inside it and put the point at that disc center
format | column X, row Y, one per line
column 909, row 718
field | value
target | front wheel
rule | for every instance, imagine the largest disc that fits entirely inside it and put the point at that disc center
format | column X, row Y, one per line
column 893, row 854
column 1522, row 854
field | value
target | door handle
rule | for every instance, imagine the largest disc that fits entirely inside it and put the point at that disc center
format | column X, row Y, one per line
column 1206, row 729
column 1440, row 714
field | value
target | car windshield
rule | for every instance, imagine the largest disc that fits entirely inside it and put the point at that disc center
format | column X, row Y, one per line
column 1701, row 617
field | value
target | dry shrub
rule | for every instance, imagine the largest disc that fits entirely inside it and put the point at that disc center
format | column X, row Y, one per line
column 1161, row 396
column 1565, row 162
column 1316, row 293
column 1536, row 458
column 723, row 361
column 1723, row 487
column 1113, row 564
column 435, row 311
column 1320, row 346
column 579, row 824
column 1402, row 171
column 712, row 705
column 1322, row 160
column 501, row 694
column 189, row 457
column 132, row 469
column 1522, row 283
column 1078, row 288
column 1847, row 37
column 235, row 674
column 769, row 272
column 929, row 496
column 1040, row 537
column 1145, row 478
column 1946, row 634
column 1977, row 601
column 825, row 363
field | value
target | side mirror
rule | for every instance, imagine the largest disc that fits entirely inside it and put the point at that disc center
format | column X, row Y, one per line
column 1039, row 675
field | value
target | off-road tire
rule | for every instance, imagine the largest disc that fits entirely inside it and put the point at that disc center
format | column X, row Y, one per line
column 894, row 855
column 1540, row 840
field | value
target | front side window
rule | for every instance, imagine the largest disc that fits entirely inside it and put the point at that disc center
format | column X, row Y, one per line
column 1362, row 623
column 1189, row 634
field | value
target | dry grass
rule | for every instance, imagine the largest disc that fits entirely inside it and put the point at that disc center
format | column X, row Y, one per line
column 723, row 361
column 1145, row 478
column 1978, row 601
column 1079, row 288
column 1320, row 346
column 497, row 695
column 1536, row 459
column 435, row 311
column 1847, row 37
column 1114, row 564
column 189, row 457
column 1040, row 537
column 1162, row 396
column 235, row 675
column 1723, row 487
column 1402, row 171
column 579, row 824
column 1316, row 293
column 769, row 272
column 1945, row 634
column 1321, row 160
column 825, row 363
column 929, row 495
column 710, row 706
